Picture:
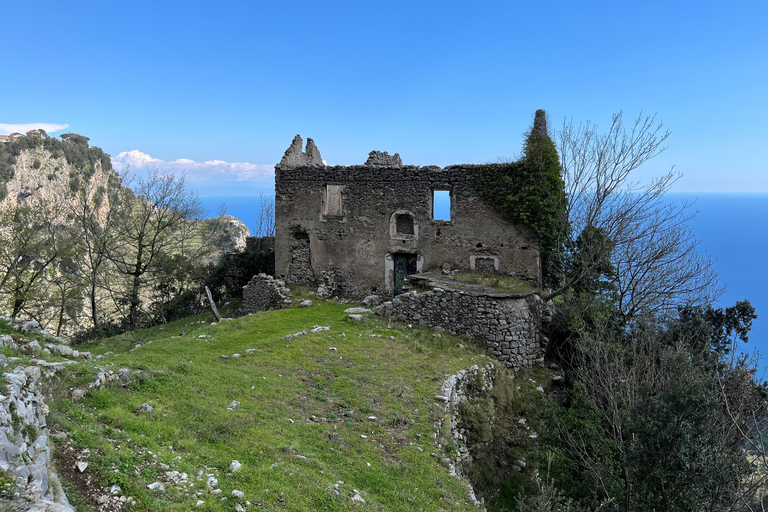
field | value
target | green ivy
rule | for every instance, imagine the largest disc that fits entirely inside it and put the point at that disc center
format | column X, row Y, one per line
column 530, row 192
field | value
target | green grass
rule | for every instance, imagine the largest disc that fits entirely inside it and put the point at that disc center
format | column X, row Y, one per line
column 393, row 377
column 496, row 282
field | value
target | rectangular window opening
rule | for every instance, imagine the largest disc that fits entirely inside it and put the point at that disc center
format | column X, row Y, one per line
column 441, row 205
column 333, row 195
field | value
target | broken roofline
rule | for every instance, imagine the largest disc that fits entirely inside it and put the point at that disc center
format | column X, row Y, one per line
column 295, row 157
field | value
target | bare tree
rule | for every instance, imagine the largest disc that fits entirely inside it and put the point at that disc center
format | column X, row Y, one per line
column 265, row 215
column 93, row 217
column 645, row 237
column 152, row 224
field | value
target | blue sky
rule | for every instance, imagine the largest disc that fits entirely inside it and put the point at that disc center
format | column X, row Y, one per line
column 219, row 90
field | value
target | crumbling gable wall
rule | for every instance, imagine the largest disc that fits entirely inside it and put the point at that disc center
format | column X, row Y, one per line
column 361, row 219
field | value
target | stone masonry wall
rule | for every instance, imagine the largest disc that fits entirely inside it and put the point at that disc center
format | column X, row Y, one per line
column 264, row 293
column 506, row 325
column 353, row 218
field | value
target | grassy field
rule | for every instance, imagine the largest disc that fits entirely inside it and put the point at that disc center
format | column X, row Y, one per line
column 496, row 282
column 319, row 416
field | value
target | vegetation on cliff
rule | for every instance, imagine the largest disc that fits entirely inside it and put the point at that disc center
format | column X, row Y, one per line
column 82, row 253
column 74, row 148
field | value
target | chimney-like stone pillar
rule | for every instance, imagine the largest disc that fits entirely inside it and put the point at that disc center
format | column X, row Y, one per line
column 540, row 123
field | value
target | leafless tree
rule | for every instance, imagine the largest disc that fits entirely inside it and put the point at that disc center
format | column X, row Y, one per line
column 93, row 217
column 152, row 223
column 265, row 215
column 654, row 252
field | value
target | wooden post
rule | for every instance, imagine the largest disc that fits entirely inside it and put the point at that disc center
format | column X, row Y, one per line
column 213, row 306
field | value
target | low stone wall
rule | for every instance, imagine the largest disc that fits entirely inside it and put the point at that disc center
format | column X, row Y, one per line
column 264, row 293
column 456, row 390
column 506, row 324
column 24, row 450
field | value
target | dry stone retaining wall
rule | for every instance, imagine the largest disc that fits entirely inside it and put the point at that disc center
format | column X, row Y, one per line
column 508, row 326
column 24, row 450
column 264, row 293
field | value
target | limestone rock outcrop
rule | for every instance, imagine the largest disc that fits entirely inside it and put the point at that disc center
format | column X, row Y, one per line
column 229, row 235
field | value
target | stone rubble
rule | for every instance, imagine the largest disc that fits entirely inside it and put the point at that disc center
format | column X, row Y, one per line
column 317, row 328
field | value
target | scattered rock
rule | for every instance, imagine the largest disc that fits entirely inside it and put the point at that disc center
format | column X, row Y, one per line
column 32, row 325
column 356, row 318
column 356, row 498
column 305, row 303
column 156, row 487
column 81, row 466
column 371, row 300
column 357, row 310
column 145, row 408
column 235, row 466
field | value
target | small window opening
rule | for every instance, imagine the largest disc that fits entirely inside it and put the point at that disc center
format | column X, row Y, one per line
column 404, row 224
column 479, row 245
column 441, row 205
column 333, row 206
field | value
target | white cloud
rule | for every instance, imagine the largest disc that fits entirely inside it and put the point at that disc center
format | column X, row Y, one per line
column 217, row 174
column 25, row 127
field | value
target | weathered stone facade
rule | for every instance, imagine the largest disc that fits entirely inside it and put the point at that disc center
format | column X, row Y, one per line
column 264, row 293
column 375, row 224
column 508, row 325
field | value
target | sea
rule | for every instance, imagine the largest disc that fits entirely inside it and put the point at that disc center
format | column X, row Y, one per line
column 732, row 230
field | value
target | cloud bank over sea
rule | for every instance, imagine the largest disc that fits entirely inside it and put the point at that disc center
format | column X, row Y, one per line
column 8, row 128
column 209, row 178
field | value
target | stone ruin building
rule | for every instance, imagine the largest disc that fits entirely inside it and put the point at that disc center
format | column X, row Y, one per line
column 364, row 228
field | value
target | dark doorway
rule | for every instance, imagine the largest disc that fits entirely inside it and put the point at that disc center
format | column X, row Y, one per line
column 405, row 265
column 300, row 270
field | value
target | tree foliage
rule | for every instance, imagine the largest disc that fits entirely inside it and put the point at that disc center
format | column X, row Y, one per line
column 659, row 414
column 529, row 193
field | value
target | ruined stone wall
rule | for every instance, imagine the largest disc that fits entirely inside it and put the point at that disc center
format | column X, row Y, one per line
column 506, row 325
column 259, row 243
column 361, row 239
column 264, row 293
